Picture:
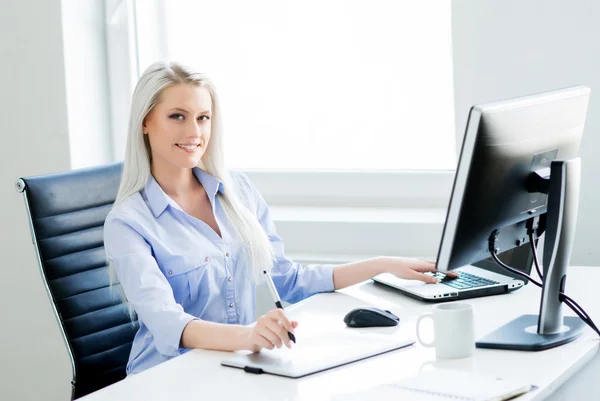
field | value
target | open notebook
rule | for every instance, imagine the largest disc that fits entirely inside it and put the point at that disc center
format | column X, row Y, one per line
column 442, row 384
column 319, row 352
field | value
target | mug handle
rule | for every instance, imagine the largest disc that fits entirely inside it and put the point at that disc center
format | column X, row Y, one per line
column 429, row 344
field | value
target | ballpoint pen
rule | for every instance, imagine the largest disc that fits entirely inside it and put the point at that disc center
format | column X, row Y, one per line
column 275, row 295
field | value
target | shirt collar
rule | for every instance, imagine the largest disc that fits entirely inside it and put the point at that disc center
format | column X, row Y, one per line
column 159, row 200
column 211, row 184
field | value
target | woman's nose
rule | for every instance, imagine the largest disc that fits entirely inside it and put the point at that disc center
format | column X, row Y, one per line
column 193, row 130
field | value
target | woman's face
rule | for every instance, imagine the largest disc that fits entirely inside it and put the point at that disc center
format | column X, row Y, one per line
column 179, row 126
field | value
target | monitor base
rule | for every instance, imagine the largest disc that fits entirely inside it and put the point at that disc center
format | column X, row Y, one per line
column 521, row 335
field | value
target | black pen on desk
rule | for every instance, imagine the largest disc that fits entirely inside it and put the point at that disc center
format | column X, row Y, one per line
column 275, row 295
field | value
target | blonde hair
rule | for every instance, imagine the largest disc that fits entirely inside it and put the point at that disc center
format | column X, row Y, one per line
column 136, row 169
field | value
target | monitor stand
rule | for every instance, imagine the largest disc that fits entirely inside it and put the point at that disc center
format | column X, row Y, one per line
column 549, row 329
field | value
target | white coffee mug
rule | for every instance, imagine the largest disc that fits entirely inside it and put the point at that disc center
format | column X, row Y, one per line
column 454, row 333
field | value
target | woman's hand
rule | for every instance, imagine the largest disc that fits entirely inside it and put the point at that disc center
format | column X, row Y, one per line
column 412, row 269
column 270, row 331
column 356, row 272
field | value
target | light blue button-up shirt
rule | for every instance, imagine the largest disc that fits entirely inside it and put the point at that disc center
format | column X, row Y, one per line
column 174, row 268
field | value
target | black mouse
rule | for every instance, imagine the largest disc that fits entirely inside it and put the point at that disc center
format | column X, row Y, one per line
column 370, row 317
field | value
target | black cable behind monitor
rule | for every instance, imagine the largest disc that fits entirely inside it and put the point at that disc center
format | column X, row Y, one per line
column 575, row 307
column 494, row 252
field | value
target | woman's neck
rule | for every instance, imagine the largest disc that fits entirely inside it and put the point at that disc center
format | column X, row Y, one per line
column 175, row 181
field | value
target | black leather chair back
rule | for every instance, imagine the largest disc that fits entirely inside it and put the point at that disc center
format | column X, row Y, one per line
column 67, row 213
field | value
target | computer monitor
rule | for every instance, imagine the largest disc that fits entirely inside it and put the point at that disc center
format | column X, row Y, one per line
column 519, row 164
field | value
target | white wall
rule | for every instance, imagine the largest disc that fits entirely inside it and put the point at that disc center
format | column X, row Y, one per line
column 34, row 133
column 510, row 48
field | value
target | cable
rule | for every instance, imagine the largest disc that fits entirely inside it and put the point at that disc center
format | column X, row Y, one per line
column 520, row 273
column 562, row 297
column 493, row 252
column 580, row 312
column 535, row 257
column 536, row 224
column 573, row 305
column 570, row 302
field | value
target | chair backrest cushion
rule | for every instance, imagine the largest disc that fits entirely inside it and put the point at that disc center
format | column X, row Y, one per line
column 67, row 213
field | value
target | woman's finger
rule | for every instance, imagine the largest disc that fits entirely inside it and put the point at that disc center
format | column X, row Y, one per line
column 280, row 331
column 279, row 316
column 277, row 333
column 259, row 342
column 269, row 336
column 415, row 275
column 423, row 266
column 429, row 266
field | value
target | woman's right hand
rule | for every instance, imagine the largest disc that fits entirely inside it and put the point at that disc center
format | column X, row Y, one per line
column 270, row 331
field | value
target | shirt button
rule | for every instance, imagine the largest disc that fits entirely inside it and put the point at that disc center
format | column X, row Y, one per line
column 227, row 254
column 206, row 259
column 170, row 272
column 229, row 278
column 231, row 305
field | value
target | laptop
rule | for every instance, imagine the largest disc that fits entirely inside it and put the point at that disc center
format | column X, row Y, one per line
column 476, row 280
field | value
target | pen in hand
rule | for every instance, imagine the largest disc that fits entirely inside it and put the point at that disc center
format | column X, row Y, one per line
column 275, row 296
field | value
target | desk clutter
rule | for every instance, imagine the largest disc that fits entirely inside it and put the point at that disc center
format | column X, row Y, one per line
column 335, row 345
column 322, row 345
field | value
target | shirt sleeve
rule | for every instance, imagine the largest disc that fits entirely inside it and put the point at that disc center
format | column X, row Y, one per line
column 145, row 286
column 294, row 282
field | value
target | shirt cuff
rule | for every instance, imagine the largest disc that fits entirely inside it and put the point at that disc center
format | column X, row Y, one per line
column 326, row 284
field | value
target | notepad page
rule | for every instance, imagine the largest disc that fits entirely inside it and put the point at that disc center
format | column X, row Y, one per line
column 446, row 385
column 463, row 386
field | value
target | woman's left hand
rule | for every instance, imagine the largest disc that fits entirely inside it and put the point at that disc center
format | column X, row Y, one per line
column 413, row 269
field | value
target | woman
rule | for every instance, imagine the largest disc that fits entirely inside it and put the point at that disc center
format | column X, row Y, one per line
column 188, row 239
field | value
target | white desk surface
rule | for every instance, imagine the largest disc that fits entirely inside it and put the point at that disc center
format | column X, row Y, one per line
column 199, row 375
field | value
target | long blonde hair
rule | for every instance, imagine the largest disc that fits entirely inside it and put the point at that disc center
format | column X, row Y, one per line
column 136, row 169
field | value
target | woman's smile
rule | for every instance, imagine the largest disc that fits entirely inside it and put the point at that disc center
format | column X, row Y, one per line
column 189, row 148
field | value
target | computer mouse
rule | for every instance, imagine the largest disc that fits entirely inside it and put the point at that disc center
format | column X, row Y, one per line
column 369, row 316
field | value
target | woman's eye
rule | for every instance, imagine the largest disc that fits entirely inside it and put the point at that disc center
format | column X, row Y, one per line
column 203, row 118
column 177, row 116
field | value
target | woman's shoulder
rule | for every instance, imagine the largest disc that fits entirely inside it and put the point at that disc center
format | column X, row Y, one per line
column 240, row 180
column 243, row 186
column 129, row 210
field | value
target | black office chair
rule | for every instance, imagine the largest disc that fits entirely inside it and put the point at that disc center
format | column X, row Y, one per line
column 66, row 213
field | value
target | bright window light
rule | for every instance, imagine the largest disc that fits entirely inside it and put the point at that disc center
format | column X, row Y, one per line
column 313, row 84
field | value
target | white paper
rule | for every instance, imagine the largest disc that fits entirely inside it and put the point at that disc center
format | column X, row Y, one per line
column 445, row 385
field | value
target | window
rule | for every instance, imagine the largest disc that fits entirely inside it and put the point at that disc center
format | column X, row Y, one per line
column 310, row 84
column 340, row 111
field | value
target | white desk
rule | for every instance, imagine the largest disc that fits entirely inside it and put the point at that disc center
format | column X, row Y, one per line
column 198, row 373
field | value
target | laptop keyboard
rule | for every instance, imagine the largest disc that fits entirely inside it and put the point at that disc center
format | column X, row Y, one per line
column 464, row 281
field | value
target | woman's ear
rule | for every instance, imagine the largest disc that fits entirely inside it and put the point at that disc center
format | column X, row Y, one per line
column 147, row 120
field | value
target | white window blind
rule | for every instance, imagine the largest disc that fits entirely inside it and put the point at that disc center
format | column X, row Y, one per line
column 313, row 84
